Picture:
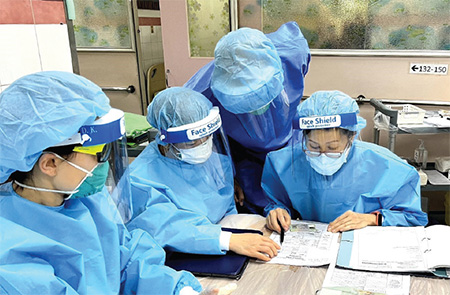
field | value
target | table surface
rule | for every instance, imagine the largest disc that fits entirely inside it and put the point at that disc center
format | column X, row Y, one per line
column 267, row 279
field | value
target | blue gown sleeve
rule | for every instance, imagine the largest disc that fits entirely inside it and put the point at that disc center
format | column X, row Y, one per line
column 274, row 189
column 404, row 209
column 143, row 269
column 232, row 208
column 39, row 271
column 173, row 228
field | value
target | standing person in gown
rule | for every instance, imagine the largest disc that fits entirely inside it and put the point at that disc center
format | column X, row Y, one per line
column 257, row 81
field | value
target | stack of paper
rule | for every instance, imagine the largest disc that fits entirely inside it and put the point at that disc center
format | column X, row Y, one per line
column 307, row 243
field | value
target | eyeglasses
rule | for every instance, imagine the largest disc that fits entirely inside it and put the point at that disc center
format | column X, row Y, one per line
column 191, row 144
column 102, row 151
column 333, row 155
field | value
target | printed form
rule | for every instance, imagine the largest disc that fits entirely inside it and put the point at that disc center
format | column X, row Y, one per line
column 389, row 249
column 306, row 243
column 362, row 282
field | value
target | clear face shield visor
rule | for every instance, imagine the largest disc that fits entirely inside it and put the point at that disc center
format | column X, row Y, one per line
column 106, row 140
column 268, row 125
column 195, row 143
column 325, row 144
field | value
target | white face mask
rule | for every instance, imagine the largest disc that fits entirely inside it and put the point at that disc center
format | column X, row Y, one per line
column 197, row 155
column 328, row 166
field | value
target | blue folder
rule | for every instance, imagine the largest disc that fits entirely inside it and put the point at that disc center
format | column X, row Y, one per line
column 230, row 265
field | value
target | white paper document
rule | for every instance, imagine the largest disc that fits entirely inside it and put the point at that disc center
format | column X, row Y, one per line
column 401, row 250
column 344, row 281
column 396, row 249
column 307, row 243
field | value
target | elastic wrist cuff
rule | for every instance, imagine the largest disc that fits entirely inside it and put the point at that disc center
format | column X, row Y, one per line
column 224, row 240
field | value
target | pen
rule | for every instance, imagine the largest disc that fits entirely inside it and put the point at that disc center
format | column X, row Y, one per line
column 281, row 233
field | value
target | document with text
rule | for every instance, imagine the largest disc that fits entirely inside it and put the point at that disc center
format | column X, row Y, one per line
column 363, row 282
column 306, row 243
column 397, row 249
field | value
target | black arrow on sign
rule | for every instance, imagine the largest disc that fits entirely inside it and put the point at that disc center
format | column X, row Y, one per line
column 414, row 68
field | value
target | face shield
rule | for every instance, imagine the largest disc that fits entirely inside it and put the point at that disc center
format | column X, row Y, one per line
column 105, row 139
column 321, row 150
column 200, row 152
column 331, row 172
column 194, row 143
column 266, row 128
column 325, row 144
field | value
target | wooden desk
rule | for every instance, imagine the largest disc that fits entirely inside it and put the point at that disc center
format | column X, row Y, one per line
column 274, row 279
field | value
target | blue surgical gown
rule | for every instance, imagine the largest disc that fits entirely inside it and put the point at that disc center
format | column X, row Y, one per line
column 372, row 179
column 195, row 198
column 80, row 247
column 249, row 154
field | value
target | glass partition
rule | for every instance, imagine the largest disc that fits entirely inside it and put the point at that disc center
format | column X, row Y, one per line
column 208, row 21
column 357, row 25
column 103, row 25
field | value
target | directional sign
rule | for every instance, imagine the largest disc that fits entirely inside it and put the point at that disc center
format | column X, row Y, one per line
column 430, row 69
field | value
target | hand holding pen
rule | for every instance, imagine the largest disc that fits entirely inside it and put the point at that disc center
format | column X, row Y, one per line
column 281, row 233
column 278, row 220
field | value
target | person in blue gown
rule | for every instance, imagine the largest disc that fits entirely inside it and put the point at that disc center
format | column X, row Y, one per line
column 257, row 82
column 329, row 176
column 189, row 163
column 60, row 230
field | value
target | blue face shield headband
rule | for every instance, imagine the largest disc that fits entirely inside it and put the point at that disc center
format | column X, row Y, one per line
column 106, row 129
column 323, row 122
column 193, row 131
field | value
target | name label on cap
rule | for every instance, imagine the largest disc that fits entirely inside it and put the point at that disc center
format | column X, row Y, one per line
column 320, row 122
column 205, row 130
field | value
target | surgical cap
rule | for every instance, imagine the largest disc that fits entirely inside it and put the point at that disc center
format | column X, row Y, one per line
column 41, row 110
column 327, row 103
column 177, row 106
column 248, row 73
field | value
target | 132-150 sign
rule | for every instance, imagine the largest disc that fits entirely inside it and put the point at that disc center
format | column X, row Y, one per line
column 435, row 69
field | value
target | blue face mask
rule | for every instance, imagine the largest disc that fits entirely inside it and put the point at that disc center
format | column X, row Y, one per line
column 93, row 184
column 328, row 166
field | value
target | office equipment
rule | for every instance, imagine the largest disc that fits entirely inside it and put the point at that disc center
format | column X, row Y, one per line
column 397, row 249
column 307, row 243
column 230, row 265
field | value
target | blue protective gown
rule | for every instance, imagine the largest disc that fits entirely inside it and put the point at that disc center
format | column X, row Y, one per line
column 80, row 247
column 196, row 197
column 249, row 154
column 372, row 179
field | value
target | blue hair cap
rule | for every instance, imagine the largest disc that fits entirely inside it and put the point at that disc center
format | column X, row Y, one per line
column 41, row 110
column 175, row 107
column 327, row 103
column 248, row 73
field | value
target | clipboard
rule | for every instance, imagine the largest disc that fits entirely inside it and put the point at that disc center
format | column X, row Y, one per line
column 230, row 265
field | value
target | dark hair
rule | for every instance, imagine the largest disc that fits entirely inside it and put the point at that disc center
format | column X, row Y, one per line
column 345, row 132
column 64, row 151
